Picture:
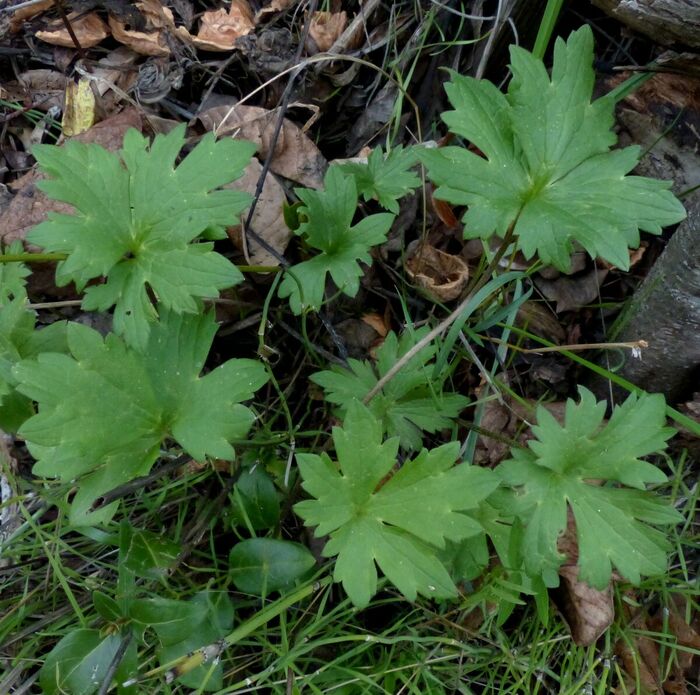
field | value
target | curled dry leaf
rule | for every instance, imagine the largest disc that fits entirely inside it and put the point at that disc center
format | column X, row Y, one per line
column 295, row 156
column 88, row 29
column 325, row 28
column 268, row 218
column 442, row 275
column 219, row 29
column 30, row 206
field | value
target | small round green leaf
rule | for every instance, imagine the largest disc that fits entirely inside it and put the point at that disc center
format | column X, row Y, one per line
column 262, row 565
column 255, row 500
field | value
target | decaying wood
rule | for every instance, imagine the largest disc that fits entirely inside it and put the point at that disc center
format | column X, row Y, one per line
column 667, row 22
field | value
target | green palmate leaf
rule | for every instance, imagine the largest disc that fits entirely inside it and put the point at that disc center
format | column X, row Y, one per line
column 412, row 401
column 329, row 229
column 385, row 178
column 19, row 340
column 263, row 565
column 560, row 470
column 135, row 218
column 547, row 165
column 399, row 525
column 105, row 409
column 12, row 275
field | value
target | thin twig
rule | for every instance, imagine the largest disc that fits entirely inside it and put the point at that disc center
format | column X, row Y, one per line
column 114, row 664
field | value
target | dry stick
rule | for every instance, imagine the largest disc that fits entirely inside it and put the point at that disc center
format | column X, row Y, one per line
column 58, row 4
column 445, row 323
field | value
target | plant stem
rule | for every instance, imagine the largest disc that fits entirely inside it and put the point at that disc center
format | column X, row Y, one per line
column 446, row 322
column 32, row 257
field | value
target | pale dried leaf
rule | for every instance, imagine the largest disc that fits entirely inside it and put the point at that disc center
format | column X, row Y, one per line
column 88, row 29
column 326, row 27
column 295, row 156
column 79, row 109
column 268, row 218
column 219, row 29
column 442, row 275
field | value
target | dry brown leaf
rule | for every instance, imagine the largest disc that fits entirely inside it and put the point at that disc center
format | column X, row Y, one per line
column 219, row 29
column 30, row 206
column 539, row 319
column 508, row 420
column 41, row 88
column 377, row 322
column 445, row 213
column 295, row 156
column 573, row 292
column 268, row 218
column 587, row 611
column 442, row 275
column 22, row 14
column 274, row 6
column 88, row 29
column 325, row 28
column 153, row 40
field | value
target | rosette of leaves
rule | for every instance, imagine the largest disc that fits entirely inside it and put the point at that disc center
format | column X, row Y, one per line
column 396, row 520
column 545, row 168
column 328, row 215
column 594, row 470
column 105, row 408
column 409, row 404
column 136, row 216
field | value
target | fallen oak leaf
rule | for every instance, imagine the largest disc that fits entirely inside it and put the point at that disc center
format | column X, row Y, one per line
column 89, row 30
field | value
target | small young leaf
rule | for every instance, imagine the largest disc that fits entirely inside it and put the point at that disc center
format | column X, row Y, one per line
column 263, row 565
column 255, row 500
column 547, row 167
column 412, row 401
column 105, row 409
column 134, row 223
column 385, row 178
column 612, row 523
column 106, row 606
column 329, row 229
column 78, row 663
column 399, row 524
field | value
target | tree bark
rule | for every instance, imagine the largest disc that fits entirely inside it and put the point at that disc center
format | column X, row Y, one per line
column 665, row 311
column 667, row 22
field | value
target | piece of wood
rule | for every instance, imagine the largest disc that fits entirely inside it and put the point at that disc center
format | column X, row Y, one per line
column 667, row 22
